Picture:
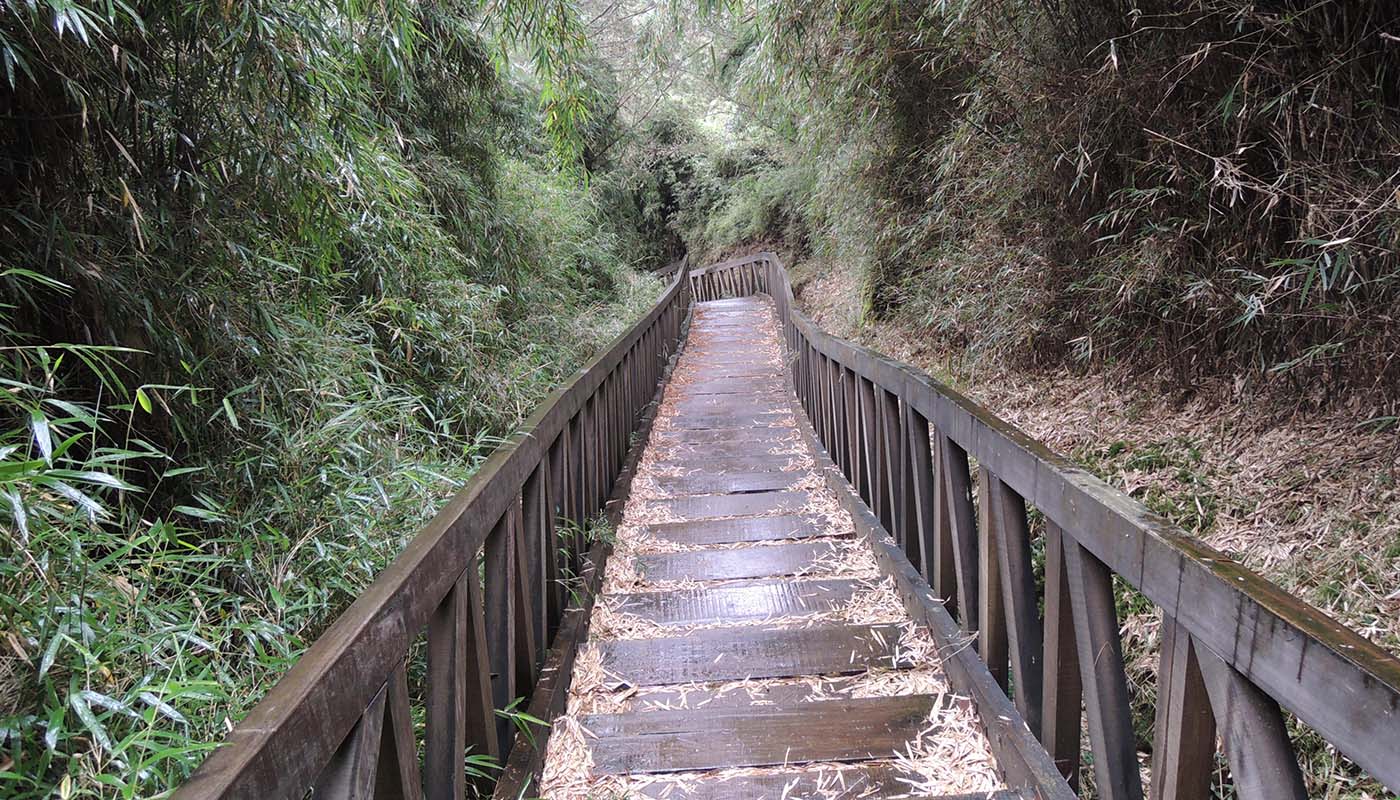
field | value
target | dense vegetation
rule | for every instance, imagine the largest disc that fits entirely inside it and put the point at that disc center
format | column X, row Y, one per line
column 274, row 276
column 1197, row 189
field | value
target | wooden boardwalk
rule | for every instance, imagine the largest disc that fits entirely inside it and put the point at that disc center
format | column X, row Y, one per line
column 744, row 643
column 829, row 576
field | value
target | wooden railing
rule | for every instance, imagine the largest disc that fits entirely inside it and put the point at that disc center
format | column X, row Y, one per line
column 454, row 630
column 1235, row 648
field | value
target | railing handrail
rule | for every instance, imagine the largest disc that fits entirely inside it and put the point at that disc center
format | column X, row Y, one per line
column 281, row 746
column 1334, row 680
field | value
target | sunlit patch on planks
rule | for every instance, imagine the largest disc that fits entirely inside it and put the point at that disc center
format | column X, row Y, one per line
column 745, row 643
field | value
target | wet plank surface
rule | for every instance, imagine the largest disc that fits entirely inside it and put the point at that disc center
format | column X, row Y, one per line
column 728, row 482
column 704, row 507
column 850, row 782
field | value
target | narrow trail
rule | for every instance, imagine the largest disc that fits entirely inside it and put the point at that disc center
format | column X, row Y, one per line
column 744, row 643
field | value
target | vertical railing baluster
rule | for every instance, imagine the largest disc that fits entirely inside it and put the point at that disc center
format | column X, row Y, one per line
column 1107, row 705
column 919, row 492
column 535, row 531
column 992, row 642
column 868, row 451
column 1183, row 740
column 446, row 733
column 350, row 775
column 396, row 776
column 524, row 636
column 1024, row 631
column 554, row 505
column 892, row 466
column 1063, row 699
column 500, row 622
column 942, row 557
column 957, row 482
column 1262, row 763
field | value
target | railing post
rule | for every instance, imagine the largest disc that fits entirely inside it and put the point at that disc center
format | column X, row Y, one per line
column 1183, row 741
column 1106, row 701
column 1060, row 720
column 1022, row 606
column 957, row 482
column 991, row 614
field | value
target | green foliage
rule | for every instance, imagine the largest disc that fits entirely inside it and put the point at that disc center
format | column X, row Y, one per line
column 1205, row 188
column 310, row 261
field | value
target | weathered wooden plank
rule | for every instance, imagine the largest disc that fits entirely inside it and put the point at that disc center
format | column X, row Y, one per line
column 1106, row 702
column 735, row 563
column 833, row 730
column 707, row 421
column 744, row 529
column 729, row 464
column 726, row 654
column 721, row 435
column 757, row 600
column 1262, row 763
column 1063, row 696
column 701, row 454
column 728, row 482
column 716, row 506
column 1183, row 742
column 1024, row 631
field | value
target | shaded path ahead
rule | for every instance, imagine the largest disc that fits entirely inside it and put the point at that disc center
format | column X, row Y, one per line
column 744, row 643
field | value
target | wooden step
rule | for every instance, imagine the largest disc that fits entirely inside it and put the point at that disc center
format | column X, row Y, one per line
column 716, row 506
column 755, row 600
column 741, row 529
column 831, row 730
column 729, row 482
column 766, row 561
column 726, row 654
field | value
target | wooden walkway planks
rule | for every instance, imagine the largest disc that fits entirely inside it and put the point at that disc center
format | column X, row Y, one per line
column 726, row 655
column 748, row 655
column 797, row 733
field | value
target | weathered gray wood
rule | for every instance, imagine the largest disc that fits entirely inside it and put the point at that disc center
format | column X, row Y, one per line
column 396, row 776
column 726, row 654
column 446, row 735
column 991, row 613
column 744, row 529
column 1262, row 764
column 351, row 773
column 753, row 600
column 728, row 482
column 703, row 507
column 855, row 782
column 1106, row 702
column 735, row 563
column 832, row 730
column 957, row 481
column 1063, row 698
column 1025, row 637
column 1183, row 742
